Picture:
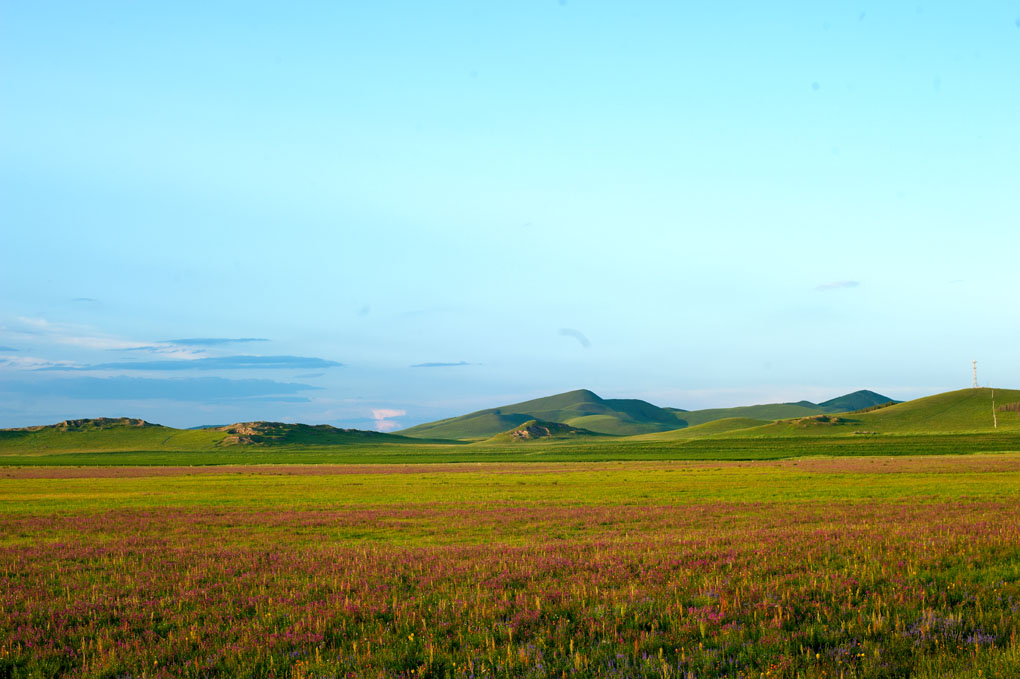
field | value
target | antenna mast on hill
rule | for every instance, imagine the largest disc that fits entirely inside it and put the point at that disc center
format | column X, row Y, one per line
column 974, row 364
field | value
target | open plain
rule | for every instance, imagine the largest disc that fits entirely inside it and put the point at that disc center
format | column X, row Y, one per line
column 802, row 567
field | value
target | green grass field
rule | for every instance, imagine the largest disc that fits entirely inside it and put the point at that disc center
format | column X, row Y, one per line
column 883, row 543
column 565, row 450
column 814, row 567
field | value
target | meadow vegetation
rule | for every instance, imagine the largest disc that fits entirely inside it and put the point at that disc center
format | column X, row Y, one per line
column 868, row 543
column 729, row 446
column 808, row 567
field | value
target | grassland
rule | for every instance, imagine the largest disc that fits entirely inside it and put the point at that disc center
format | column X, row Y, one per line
column 809, row 567
column 882, row 543
column 557, row 450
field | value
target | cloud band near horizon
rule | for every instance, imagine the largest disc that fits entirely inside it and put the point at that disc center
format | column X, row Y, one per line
column 211, row 363
column 193, row 389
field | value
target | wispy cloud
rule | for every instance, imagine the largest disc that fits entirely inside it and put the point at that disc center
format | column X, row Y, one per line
column 440, row 365
column 216, row 363
column 85, row 300
column 35, row 363
column 196, row 389
column 72, row 335
column 39, row 331
column 91, row 342
column 837, row 285
column 384, row 418
column 3, row 348
column 213, row 341
column 576, row 334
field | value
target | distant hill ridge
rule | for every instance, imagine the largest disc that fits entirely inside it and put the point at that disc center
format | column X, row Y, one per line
column 579, row 408
column 855, row 401
column 961, row 411
column 623, row 417
column 984, row 411
column 778, row 411
column 129, row 434
column 89, row 424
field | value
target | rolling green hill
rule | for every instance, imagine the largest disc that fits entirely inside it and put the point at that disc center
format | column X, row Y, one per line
column 706, row 429
column 858, row 400
column 963, row 411
column 580, row 408
column 622, row 417
column 125, row 434
column 766, row 412
column 105, row 434
column 777, row 411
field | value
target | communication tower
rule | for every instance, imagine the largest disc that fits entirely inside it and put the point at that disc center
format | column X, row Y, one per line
column 974, row 365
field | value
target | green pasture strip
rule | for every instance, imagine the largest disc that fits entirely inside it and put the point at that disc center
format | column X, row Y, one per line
column 565, row 485
column 560, row 451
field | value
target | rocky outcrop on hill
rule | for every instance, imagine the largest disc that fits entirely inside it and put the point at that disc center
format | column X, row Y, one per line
column 534, row 430
column 282, row 433
column 91, row 424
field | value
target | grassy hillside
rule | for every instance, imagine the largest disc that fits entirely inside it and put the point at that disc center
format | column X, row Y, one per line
column 582, row 450
column 778, row 411
column 713, row 428
column 766, row 412
column 622, row 417
column 125, row 435
column 963, row 411
column 580, row 408
column 105, row 434
column 855, row 401
column 472, row 427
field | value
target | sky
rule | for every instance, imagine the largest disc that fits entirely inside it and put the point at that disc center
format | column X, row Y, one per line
column 376, row 214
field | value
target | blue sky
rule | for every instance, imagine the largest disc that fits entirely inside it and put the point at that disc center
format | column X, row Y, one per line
column 378, row 214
